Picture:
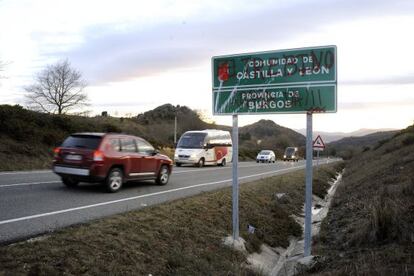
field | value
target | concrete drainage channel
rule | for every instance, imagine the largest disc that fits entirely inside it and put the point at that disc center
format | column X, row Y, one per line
column 288, row 261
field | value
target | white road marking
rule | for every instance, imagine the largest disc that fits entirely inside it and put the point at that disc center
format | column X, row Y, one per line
column 141, row 196
column 50, row 171
column 25, row 172
column 29, row 183
column 220, row 168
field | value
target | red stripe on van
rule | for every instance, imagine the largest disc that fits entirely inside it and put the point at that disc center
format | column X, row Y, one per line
column 220, row 152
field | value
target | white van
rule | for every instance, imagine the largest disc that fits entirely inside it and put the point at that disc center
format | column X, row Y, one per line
column 204, row 147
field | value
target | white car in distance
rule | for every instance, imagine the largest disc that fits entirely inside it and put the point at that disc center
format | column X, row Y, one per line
column 266, row 156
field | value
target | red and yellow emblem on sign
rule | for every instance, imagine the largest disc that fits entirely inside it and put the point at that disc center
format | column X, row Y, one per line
column 223, row 71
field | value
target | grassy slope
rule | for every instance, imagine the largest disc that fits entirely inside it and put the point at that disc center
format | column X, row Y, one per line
column 371, row 222
column 182, row 237
column 349, row 146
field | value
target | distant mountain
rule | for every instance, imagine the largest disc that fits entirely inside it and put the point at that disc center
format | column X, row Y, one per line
column 266, row 134
column 348, row 146
column 328, row 137
column 367, row 131
column 159, row 123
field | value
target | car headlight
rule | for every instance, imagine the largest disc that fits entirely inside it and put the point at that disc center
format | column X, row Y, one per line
column 293, row 156
column 284, row 156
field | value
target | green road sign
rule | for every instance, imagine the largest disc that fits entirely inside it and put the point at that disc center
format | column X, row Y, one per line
column 287, row 81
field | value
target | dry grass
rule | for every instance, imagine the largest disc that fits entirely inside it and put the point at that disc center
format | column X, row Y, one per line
column 371, row 222
column 15, row 155
column 183, row 237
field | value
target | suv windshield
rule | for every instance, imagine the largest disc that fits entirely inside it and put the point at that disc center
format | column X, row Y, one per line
column 264, row 153
column 82, row 141
column 192, row 141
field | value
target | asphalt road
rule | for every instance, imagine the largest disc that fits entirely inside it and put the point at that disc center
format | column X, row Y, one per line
column 36, row 202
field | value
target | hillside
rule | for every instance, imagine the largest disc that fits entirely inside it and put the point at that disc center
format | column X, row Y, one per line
column 266, row 134
column 348, row 146
column 27, row 138
column 159, row 123
column 370, row 224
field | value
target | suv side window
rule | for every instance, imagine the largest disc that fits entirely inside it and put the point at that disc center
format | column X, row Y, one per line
column 144, row 147
column 128, row 145
column 115, row 145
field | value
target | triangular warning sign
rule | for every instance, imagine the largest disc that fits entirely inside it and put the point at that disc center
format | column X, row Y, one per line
column 318, row 143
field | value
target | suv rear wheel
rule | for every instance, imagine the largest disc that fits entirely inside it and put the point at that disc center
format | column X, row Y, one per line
column 163, row 176
column 114, row 180
column 69, row 181
column 223, row 163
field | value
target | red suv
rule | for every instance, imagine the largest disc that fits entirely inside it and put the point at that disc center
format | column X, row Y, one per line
column 109, row 158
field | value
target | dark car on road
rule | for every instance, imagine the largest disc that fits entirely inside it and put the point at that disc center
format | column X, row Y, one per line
column 109, row 158
column 291, row 153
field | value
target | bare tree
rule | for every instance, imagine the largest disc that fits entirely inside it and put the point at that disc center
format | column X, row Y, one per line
column 57, row 89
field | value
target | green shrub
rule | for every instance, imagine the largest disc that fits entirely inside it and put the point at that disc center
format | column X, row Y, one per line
column 62, row 123
column 365, row 148
column 408, row 140
column 380, row 143
column 111, row 128
column 385, row 218
column 53, row 137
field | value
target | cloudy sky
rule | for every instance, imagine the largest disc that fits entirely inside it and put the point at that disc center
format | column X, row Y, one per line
column 137, row 55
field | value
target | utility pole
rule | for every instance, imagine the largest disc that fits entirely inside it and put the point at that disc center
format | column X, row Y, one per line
column 175, row 129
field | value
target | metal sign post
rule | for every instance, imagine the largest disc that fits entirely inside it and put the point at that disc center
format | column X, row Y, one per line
column 317, row 158
column 308, row 193
column 235, row 178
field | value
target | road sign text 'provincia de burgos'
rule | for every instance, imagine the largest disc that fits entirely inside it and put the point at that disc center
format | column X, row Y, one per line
column 285, row 81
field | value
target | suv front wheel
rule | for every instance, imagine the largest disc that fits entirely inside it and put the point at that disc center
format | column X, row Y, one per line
column 114, row 180
column 163, row 176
